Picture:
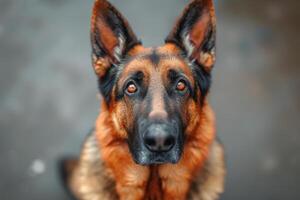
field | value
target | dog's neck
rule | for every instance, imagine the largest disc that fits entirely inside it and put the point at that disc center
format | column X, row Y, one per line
column 169, row 181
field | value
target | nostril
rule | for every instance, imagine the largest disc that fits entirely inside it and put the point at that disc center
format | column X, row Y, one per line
column 150, row 142
column 169, row 141
column 159, row 142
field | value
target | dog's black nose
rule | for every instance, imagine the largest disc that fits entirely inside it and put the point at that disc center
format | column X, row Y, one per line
column 157, row 138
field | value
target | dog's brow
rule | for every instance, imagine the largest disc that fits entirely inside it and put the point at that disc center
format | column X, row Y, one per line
column 137, row 75
column 154, row 57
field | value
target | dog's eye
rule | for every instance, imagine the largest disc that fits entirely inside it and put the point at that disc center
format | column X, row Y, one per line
column 131, row 88
column 181, row 85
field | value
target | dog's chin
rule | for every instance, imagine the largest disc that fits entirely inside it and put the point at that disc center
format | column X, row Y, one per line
column 151, row 158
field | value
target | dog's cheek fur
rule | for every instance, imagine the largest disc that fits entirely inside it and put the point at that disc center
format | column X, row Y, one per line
column 122, row 116
column 189, row 110
column 192, row 110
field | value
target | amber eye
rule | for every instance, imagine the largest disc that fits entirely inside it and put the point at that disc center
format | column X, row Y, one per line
column 131, row 88
column 181, row 85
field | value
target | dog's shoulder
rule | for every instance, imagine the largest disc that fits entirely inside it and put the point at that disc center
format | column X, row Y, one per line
column 209, row 184
column 88, row 177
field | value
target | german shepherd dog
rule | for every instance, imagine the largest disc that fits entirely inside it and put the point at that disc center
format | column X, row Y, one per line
column 154, row 138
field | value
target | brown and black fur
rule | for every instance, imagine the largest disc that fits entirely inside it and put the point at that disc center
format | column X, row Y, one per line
column 114, row 162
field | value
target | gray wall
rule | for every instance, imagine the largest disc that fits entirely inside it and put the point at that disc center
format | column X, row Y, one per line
column 48, row 90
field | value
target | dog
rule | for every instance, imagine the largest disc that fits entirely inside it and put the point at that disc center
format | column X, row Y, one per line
column 154, row 138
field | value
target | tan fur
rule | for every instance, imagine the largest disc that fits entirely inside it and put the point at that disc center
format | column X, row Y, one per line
column 104, row 160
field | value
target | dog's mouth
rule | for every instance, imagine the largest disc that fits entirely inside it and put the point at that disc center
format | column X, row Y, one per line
column 161, row 160
column 144, row 157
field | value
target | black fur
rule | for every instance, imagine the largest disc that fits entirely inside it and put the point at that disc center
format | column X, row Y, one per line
column 203, row 80
column 64, row 175
column 154, row 57
column 107, row 83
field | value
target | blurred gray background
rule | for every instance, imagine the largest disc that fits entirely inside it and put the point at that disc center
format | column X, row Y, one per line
column 48, row 91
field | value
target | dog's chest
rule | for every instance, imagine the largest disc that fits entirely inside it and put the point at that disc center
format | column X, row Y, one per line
column 154, row 186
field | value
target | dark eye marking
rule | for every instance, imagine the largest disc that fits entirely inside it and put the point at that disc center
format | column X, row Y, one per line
column 154, row 57
column 178, row 83
column 134, row 84
column 173, row 75
column 137, row 77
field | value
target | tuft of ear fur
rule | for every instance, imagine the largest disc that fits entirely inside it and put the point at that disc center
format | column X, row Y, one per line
column 195, row 33
column 111, row 39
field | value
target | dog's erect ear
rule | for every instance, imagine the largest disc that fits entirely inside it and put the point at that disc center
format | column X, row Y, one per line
column 195, row 33
column 111, row 37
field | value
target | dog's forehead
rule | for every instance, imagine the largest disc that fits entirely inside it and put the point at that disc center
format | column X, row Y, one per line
column 156, row 59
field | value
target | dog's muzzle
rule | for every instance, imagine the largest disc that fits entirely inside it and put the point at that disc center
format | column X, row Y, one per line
column 157, row 143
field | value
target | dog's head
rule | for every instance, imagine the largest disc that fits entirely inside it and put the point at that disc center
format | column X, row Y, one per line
column 154, row 95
